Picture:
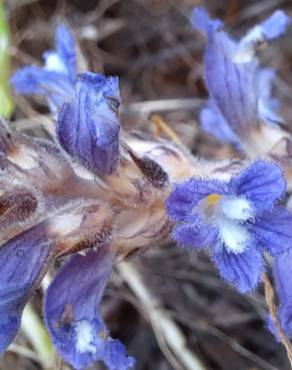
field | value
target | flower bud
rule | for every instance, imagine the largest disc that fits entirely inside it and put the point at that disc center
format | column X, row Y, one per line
column 88, row 127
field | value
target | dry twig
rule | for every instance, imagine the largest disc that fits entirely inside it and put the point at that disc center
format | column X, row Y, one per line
column 169, row 336
column 161, row 126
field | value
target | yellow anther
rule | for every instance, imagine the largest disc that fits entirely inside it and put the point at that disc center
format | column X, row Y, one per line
column 212, row 199
column 103, row 334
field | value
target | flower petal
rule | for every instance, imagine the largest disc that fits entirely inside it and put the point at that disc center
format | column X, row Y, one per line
column 242, row 270
column 234, row 80
column 88, row 127
column 232, row 86
column 24, row 260
column 271, row 28
column 274, row 231
column 275, row 25
column 66, row 49
column 55, row 86
column 214, row 124
column 56, row 79
column 261, row 182
column 35, row 80
column 202, row 22
column 72, row 313
column 185, row 196
column 268, row 106
column 282, row 271
column 195, row 235
column 63, row 59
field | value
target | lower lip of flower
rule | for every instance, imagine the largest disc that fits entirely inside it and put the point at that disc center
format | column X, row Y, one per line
column 228, row 214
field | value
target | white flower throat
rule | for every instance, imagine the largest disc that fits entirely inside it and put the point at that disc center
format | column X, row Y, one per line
column 228, row 214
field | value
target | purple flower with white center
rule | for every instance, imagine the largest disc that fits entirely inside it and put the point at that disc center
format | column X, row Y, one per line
column 88, row 127
column 240, row 92
column 56, row 79
column 239, row 219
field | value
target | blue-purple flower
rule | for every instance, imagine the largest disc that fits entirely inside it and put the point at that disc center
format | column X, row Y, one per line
column 239, row 219
column 72, row 313
column 72, row 307
column 85, row 105
column 240, row 91
column 55, row 80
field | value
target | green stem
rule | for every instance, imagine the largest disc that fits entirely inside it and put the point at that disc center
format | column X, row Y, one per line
column 6, row 101
column 34, row 330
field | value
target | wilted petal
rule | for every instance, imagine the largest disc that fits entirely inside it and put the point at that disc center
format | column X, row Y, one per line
column 214, row 124
column 273, row 230
column 88, row 127
column 195, row 234
column 32, row 163
column 242, row 270
column 72, row 313
column 273, row 27
column 185, row 196
column 262, row 183
column 24, row 260
column 17, row 206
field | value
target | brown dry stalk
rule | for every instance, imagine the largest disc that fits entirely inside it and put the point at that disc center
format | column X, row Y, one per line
column 161, row 126
column 169, row 336
column 270, row 299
